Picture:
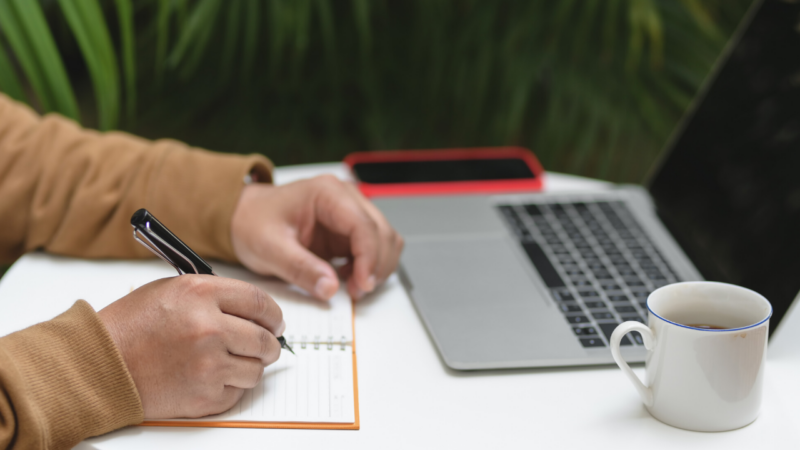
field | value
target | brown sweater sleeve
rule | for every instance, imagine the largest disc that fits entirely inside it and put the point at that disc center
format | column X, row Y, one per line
column 72, row 191
column 62, row 381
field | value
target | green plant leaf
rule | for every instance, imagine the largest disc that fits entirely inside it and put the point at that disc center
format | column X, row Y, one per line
column 88, row 27
column 194, row 37
column 250, row 48
column 230, row 41
column 30, row 39
column 162, row 39
column 9, row 82
column 128, row 47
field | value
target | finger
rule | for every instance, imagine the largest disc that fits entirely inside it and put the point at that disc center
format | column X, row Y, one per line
column 296, row 264
column 230, row 396
column 346, row 270
column 248, row 339
column 343, row 213
column 249, row 302
column 391, row 243
column 243, row 372
column 214, row 403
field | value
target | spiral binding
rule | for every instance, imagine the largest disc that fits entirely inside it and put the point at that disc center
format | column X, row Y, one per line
column 318, row 342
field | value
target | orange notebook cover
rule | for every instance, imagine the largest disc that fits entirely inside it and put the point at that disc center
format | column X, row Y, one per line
column 315, row 389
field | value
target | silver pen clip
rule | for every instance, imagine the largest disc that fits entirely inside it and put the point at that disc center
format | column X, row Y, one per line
column 157, row 251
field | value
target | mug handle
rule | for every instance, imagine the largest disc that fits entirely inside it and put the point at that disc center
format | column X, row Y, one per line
column 649, row 340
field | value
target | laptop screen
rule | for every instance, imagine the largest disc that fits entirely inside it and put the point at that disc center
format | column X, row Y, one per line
column 729, row 188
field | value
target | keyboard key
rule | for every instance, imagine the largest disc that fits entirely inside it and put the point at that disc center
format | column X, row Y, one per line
column 624, row 309
column 617, row 298
column 608, row 328
column 594, row 263
column 619, row 261
column 566, row 259
column 588, row 293
column 562, row 295
column 596, row 266
column 592, row 342
column 533, row 210
column 655, row 274
column 543, row 265
column 642, row 295
column 643, row 305
column 568, row 308
column 610, row 286
column 582, row 282
column 602, row 315
column 595, row 304
column 584, row 331
column 634, row 318
column 636, row 337
column 577, row 319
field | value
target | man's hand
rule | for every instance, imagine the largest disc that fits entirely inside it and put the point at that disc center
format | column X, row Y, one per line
column 193, row 343
column 292, row 231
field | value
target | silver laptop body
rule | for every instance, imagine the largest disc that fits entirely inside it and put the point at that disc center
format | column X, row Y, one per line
column 534, row 280
column 485, row 303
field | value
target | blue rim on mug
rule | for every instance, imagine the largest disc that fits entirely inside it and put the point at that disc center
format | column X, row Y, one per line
column 710, row 329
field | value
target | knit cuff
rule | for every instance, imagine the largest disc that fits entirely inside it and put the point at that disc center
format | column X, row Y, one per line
column 73, row 378
column 195, row 193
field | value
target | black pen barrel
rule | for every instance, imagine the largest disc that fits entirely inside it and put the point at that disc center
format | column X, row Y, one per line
column 169, row 244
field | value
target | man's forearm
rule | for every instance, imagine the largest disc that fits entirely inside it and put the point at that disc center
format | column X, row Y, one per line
column 72, row 191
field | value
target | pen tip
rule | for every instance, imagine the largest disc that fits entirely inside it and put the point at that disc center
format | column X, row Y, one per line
column 284, row 344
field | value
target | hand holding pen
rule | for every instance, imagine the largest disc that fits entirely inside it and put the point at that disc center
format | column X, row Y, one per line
column 193, row 344
column 163, row 243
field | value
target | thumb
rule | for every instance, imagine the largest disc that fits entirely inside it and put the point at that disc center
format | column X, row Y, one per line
column 295, row 264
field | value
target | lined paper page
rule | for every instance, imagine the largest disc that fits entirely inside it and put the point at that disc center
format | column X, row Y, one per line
column 316, row 384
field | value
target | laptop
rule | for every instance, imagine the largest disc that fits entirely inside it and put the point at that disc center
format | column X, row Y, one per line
column 538, row 280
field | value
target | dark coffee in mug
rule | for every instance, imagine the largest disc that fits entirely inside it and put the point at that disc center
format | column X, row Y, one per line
column 706, row 326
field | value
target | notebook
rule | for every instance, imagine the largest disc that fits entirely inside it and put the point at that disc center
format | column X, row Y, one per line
column 315, row 388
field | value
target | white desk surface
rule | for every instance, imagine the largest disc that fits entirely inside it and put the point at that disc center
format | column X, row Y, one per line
column 408, row 398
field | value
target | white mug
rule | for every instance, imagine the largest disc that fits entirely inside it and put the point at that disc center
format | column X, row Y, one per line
column 698, row 378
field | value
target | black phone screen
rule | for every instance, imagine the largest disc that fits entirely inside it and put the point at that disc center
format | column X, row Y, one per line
column 386, row 172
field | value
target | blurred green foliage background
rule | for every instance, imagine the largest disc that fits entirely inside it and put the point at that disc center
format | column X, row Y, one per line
column 593, row 87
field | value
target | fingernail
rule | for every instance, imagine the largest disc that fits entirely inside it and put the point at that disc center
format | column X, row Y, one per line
column 325, row 287
column 281, row 328
column 370, row 283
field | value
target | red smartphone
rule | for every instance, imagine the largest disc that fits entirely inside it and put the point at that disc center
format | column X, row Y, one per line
column 486, row 170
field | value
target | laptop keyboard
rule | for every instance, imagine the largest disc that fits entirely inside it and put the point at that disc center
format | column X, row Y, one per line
column 598, row 263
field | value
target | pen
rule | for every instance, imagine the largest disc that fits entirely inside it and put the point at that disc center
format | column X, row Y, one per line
column 151, row 233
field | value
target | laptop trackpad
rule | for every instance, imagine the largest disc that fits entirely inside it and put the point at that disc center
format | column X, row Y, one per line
column 481, row 303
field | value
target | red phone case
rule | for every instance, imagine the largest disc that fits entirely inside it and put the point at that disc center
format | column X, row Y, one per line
column 449, row 187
